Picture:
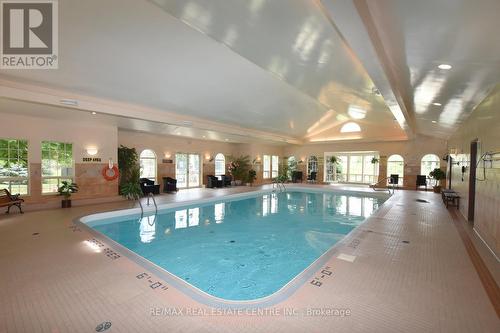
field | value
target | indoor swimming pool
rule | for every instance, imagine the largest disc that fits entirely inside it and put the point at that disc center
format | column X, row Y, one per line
column 242, row 248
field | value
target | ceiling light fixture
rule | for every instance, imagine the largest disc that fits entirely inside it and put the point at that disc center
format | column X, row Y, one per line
column 356, row 112
column 350, row 128
column 69, row 102
column 444, row 66
column 92, row 151
column 434, row 122
column 94, row 113
column 437, row 104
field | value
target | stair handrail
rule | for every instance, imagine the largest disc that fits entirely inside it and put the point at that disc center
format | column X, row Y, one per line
column 373, row 186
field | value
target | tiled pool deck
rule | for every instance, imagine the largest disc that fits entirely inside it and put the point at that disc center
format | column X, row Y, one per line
column 411, row 273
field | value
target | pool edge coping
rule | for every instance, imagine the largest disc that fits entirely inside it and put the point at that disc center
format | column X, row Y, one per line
column 203, row 297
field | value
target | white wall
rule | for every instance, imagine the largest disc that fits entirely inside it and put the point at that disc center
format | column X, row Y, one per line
column 81, row 135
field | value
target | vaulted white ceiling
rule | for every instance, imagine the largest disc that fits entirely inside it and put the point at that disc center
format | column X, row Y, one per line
column 284, row 70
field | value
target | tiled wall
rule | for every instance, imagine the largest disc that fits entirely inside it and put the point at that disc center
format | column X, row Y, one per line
column 483, row 125
column 92, row 185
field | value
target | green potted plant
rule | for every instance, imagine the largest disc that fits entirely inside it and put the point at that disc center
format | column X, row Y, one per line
column 252, row 175
column 238, row 168
column 438, row 175
column 375, row 160
column 333, row 159
column 66, row 189
column 131, row 189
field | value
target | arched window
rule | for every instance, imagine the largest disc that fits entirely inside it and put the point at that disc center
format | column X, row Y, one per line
column 429, row 162
column 148, row 164
column 220, row 164
column 396, row 166
column 312, row 165
column 292, row 166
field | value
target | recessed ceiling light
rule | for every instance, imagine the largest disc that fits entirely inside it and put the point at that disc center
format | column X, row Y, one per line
column 178, row 133
column 204, row 136
column 70, row 102
column 444, row 66
column 94, row 113
column 226, row 139
column 434, row 122
column 437, row 104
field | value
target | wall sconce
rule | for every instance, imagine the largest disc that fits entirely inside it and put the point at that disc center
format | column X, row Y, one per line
column 168, row 155
column 92, row 151
column 208, row 157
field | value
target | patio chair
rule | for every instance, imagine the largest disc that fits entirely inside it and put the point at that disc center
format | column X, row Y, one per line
column 394, row 180
column 169, row 185
column 421, row 181
column 296, row 176
column 149, row 186
column 312, row 177
column 226, row 180
column 214, row 182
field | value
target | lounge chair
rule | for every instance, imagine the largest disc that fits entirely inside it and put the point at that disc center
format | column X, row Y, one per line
column 8, row 200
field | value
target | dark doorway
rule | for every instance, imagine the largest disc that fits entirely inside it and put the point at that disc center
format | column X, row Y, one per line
column 472, row 181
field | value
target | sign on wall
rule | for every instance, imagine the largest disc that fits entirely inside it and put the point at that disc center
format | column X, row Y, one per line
column 91, row 159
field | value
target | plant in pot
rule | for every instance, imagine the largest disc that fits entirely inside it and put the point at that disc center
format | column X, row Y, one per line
column 333, row 160
column 128, row 161
column 131, row 189
column 282, row 173
column 438, row 175
column 66, row 190
column 252, row 175
column 375, row 160
column 238, row 168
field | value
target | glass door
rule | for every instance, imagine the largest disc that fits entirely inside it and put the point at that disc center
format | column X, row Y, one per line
column 181, row 170
column 187, row 170
column 194, row 170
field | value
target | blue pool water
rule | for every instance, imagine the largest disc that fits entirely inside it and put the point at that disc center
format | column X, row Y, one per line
column 243, row 249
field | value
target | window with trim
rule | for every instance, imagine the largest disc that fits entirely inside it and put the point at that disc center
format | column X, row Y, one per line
column 352, row 167
column 57, row 165
column 266, row 161
column 429, row 162
column 274, row 166
column 220, row 164
column 14, row 166
column 148, row 164
column 312, row 165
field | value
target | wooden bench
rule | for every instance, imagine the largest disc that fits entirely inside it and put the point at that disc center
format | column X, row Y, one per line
column 452, row 197
column 8, row 200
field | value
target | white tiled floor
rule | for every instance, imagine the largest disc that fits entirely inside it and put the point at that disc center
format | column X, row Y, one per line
column 53, row 282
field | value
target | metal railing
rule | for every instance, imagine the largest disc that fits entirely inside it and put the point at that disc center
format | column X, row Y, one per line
column 386, row 188
column 150, row 195
column 278, row 185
